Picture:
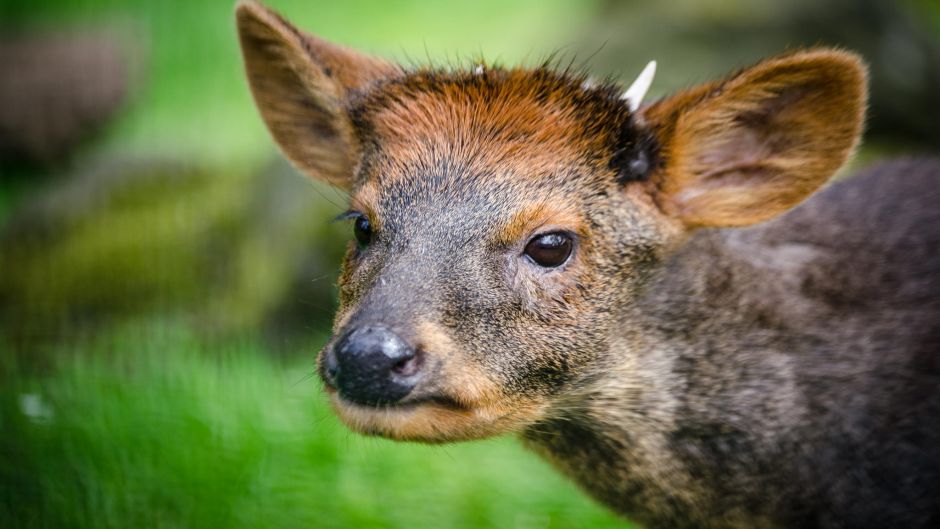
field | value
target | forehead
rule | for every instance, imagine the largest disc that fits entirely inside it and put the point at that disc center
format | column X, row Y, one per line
column 485, row 126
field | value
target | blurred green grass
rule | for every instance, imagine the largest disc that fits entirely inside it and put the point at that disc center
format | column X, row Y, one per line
column 152, row 427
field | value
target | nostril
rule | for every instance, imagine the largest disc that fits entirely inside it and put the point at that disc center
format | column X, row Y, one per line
column 332, row 366
column 332, row 371
column 407, row 367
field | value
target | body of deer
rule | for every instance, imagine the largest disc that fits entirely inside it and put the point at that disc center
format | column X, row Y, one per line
column 666, row 301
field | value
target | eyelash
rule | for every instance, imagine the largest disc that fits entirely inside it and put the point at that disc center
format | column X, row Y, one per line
column 347, row 215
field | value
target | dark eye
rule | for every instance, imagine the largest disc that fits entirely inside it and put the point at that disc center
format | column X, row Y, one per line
column 550, row 249
column 363, row 231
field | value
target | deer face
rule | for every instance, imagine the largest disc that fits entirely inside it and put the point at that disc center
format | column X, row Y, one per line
column 480, row 282
column 505, row 219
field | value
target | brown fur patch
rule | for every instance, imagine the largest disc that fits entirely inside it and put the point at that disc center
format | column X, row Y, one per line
column 432, row 423
column 507, row 123
column 541, row 216
column 366, row 201
column 745, row 149
column 299, row 83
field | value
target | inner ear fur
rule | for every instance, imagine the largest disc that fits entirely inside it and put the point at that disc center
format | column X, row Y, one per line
column 300, row 84
column 744, row 150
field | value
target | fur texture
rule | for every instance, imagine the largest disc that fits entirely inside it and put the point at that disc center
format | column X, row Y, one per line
column 685, row 369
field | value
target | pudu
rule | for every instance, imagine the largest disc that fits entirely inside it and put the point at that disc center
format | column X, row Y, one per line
column 665, row 300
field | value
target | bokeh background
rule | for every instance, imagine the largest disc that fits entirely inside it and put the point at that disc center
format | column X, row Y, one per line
column 166, row 278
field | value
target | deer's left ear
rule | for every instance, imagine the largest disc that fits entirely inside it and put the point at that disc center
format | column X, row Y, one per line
column 746, row 149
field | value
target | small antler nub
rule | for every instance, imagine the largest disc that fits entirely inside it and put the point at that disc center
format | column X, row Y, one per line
column 637, row 91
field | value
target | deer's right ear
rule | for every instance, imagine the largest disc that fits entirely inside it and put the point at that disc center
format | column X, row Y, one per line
column 746, row 149
column 300, row 84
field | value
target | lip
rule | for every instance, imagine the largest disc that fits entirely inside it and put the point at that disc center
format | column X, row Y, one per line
column 440, row 401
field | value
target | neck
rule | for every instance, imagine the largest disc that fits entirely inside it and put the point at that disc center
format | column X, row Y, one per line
column 629, row 432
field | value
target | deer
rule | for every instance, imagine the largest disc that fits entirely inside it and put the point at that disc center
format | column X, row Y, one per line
column 671, row 302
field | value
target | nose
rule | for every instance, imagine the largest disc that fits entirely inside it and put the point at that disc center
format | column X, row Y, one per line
column 373, row 366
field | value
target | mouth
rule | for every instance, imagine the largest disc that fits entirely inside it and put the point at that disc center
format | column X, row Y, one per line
column 440, row 401
column 448, row 402
column 428, row 419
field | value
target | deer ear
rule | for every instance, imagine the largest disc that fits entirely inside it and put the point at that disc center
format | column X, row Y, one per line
column 300, row 84
column 746, row 149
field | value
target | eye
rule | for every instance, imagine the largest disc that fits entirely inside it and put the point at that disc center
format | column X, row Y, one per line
column 549, row 250
column 363, row 231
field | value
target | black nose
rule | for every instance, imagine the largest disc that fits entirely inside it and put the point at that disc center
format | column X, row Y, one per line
column 373, row 366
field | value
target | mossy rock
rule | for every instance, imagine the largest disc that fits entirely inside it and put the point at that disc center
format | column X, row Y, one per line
column 229, row 249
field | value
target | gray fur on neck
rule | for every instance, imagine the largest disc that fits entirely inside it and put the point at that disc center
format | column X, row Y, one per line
column 765, row 368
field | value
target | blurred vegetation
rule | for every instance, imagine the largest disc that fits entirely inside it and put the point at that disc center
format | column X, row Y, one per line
column 169, row 432
column 192, row 99
column 231, row 250
column 166, row 277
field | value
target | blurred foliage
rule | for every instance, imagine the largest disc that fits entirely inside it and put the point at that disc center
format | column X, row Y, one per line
column 153, row 428
column 697, row 40
column 230, row 250
column 58, row 88
column 193, row 101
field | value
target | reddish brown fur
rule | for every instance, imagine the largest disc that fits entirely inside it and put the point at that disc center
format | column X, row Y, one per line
column 785, row 120
column 499, row 120
column 282, row 62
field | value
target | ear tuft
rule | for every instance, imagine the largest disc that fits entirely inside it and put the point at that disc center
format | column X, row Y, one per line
column 746, row 149
column 300, row 84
